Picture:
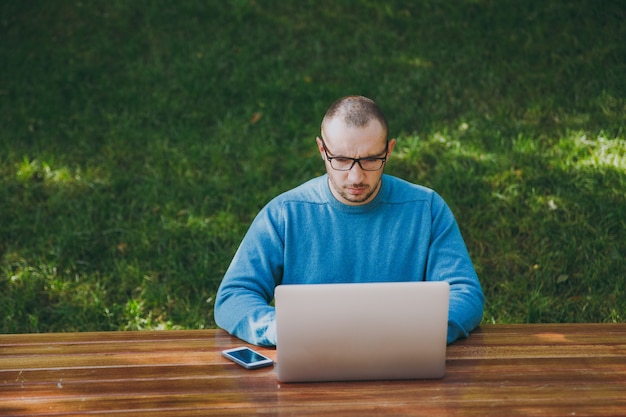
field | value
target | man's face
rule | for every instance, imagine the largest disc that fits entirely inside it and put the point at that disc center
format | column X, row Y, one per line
column 355, row 186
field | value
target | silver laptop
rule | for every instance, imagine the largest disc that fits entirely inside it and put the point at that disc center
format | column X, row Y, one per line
column 343, row 332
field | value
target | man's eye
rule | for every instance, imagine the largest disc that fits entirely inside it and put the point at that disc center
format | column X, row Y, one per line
column 343, row 160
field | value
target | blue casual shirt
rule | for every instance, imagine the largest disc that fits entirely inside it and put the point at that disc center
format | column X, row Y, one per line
column 306, row 236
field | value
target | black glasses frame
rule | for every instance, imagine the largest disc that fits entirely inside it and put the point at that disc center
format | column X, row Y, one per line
column 356, row 160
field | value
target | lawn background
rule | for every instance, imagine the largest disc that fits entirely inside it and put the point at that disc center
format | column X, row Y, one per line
column 139, row 138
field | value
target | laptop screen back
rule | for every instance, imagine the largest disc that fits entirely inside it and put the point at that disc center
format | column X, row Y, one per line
column 365, row 331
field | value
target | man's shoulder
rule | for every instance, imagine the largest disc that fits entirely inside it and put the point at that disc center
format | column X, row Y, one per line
column 402, row 193
column 309, row 192
column 399, row 190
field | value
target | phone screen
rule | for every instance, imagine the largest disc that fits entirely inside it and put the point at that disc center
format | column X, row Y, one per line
column 247, row 355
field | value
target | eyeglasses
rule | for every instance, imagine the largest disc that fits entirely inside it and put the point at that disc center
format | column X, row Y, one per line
column 343, row 163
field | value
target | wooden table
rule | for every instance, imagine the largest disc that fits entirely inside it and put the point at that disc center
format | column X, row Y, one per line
column 501, row 370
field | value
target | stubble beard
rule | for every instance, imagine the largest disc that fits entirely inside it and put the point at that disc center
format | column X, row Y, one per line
column 352, row 198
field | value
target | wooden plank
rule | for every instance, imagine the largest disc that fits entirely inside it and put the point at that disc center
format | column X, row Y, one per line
column 266, row 385
column 331, row 397
column 107, row 337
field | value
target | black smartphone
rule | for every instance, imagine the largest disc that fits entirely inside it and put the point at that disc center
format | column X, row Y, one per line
column 247, row 357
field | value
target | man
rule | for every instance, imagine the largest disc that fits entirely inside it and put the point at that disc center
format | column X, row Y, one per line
column 353, row 224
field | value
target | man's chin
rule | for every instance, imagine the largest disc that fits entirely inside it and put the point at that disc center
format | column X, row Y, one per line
column 356, row 198
column 353, row 195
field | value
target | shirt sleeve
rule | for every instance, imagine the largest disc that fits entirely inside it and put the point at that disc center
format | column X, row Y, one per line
column 242, row 305
column 449, row 260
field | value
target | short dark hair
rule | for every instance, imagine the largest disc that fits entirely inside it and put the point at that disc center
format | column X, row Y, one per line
column 356, row 111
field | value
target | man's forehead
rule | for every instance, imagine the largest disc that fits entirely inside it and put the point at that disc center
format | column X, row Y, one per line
column 346, row 140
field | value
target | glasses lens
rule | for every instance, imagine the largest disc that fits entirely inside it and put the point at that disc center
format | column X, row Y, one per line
column 371, row 164
column 345, row 164
column 341, row 164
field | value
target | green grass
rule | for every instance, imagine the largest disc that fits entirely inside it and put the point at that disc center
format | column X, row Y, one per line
column 139, row 139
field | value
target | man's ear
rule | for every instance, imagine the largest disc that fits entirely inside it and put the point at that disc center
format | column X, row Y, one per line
column 392, row 144
column 320, row 147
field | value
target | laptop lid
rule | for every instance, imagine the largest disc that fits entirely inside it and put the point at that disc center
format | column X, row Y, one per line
column 361, row 331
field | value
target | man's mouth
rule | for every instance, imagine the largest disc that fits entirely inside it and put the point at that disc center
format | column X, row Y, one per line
column 356, row 189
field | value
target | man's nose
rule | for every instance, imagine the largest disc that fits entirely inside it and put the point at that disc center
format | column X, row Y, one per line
column 356, row 173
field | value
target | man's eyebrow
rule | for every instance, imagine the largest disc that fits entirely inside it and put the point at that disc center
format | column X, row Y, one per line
column 376, row 156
